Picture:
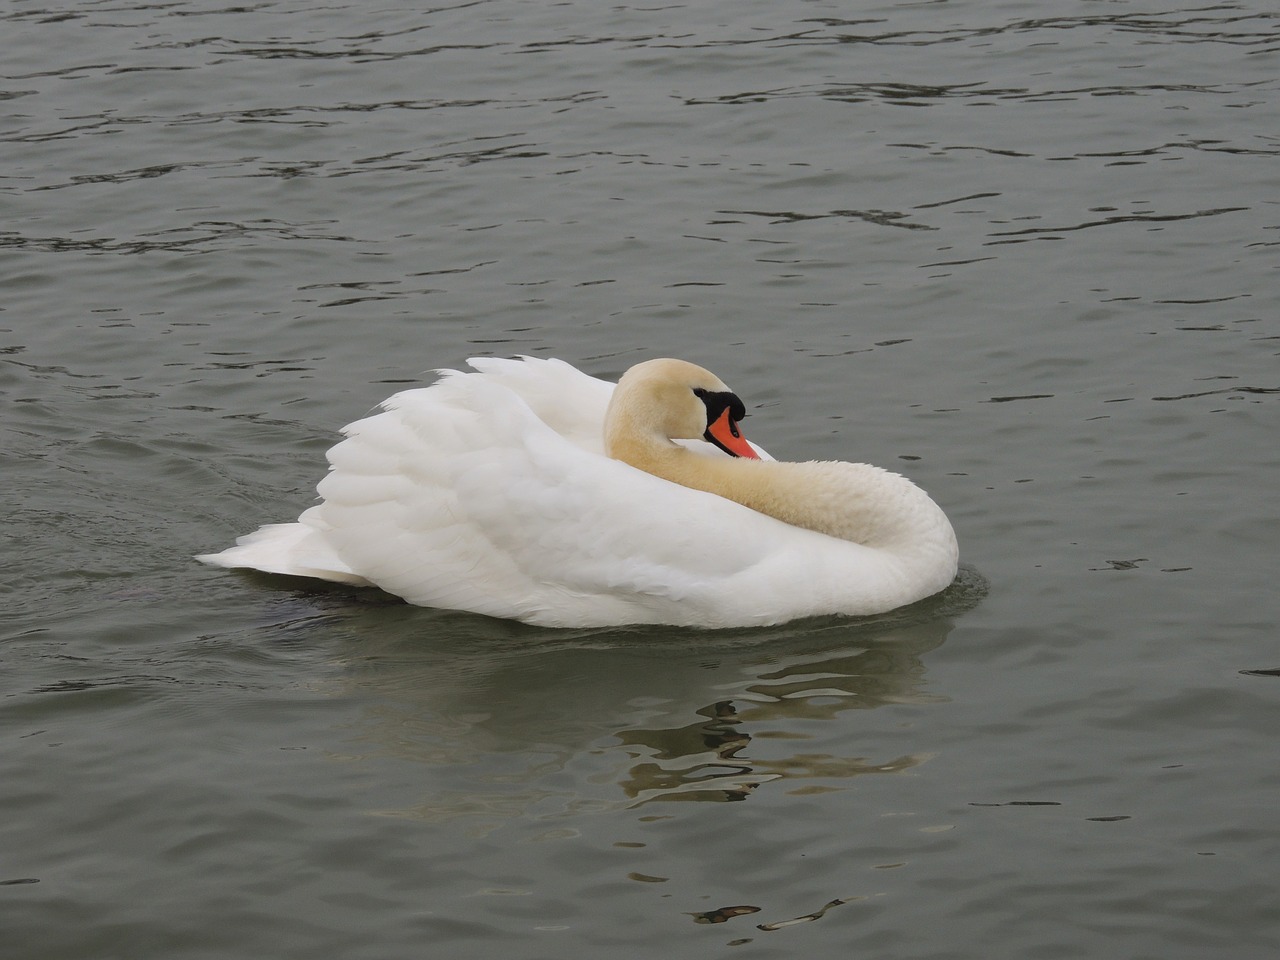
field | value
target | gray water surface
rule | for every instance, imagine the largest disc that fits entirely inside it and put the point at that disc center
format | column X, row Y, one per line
column 1026, row 256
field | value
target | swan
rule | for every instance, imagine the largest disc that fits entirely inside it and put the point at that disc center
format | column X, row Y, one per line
column 528, row 490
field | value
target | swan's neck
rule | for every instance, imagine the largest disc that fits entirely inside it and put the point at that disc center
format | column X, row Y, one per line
column 851, row 501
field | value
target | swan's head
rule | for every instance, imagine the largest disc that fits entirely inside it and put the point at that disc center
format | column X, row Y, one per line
column 662, row 400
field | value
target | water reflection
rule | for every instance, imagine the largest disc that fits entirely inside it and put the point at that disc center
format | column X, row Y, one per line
column 712, row 759
column 516, row 721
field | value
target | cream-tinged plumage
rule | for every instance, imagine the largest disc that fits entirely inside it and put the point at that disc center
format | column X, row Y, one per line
column 529, row 490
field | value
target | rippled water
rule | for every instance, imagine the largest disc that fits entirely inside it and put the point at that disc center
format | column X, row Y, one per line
column 1025, row 255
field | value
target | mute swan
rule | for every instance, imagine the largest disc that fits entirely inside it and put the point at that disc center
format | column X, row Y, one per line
column 529, row 490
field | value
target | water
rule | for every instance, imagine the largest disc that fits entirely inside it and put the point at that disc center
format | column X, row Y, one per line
column 1027, row 257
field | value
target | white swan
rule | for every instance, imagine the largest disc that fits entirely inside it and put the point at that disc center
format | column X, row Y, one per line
column 531, row 491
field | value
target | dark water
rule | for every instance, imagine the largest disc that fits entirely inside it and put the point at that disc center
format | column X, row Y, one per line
column 1027, row 256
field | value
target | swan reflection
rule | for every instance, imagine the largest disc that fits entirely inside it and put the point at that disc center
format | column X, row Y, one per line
column 489, row 720
column 713, row 759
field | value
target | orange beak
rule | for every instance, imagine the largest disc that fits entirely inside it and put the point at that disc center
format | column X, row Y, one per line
column 724, row 434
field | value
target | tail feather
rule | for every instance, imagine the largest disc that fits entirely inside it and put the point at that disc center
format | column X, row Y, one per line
column 293, row 549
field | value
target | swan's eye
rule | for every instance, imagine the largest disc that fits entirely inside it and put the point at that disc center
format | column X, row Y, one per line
column 699, row 393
